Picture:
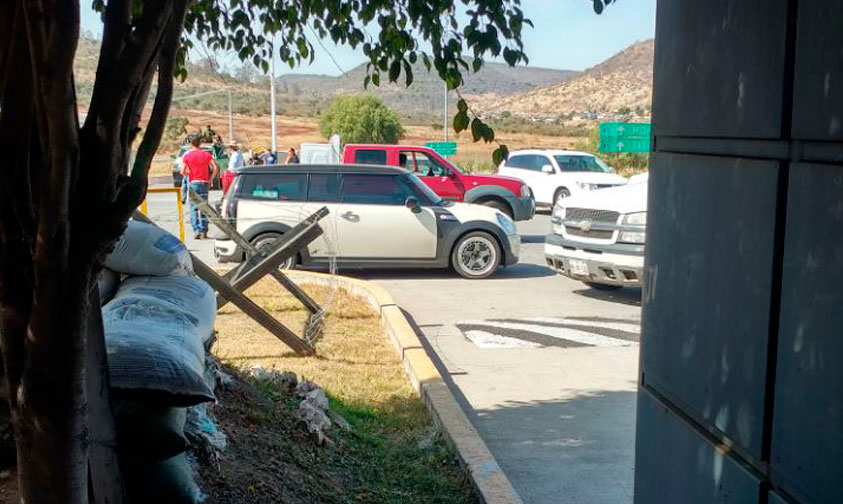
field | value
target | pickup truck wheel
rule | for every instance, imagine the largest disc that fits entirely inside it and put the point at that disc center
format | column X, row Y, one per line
column 561, row 193
column 264, row 240
column 500, row 206
column 476, row 255
column 603, row 287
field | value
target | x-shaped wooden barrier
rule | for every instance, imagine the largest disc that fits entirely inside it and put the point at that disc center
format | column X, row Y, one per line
column 265, row 261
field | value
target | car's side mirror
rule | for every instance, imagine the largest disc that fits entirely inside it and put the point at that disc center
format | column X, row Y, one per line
column 413, row 204
column 547, row 169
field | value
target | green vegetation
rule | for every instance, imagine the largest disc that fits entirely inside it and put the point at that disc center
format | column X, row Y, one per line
column 508, row 123
column 624, row 164
column 361, row 119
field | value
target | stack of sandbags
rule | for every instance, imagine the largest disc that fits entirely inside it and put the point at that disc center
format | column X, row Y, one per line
column 156, row 327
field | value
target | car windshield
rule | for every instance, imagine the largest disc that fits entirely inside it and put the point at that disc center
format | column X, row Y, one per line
column 427, row 191
column 582, row 164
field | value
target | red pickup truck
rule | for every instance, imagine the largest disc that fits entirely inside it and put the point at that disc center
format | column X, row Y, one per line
column 509, row 195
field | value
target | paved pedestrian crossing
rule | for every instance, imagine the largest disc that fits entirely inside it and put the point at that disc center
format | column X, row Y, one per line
column 568, row 332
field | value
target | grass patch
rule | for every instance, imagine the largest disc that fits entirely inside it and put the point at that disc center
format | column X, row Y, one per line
column 392, row 454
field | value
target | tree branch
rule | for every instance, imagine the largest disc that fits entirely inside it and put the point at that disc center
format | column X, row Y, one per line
column 163, row 97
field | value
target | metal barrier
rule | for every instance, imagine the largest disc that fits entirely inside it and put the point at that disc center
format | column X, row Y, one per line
column 179, row 205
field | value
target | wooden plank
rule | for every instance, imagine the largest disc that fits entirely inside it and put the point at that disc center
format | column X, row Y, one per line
column 250, row 251
column 258, row 266
column 248, row 306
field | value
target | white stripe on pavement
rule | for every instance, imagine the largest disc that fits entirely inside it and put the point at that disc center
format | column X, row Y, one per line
column 577, row 336
column 629, row 327
column 485, row 339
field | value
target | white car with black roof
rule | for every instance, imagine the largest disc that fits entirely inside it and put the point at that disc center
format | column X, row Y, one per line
column 380, row 217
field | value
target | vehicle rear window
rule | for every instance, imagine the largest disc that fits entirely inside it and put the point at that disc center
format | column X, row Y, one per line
column 376, row 189
column 274, row 186
column 370, row 156
column 324, row 187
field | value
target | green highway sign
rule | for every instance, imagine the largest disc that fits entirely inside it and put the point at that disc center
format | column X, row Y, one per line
column 617, row 144
column 443, row 148
column 627, row 129
column 624, row 137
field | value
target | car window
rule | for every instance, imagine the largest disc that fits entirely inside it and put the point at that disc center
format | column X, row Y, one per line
column 582, row 163
column 370, row 156
column 516, row 161
column 375, row 189
column 324, row 187
column 530, row 162
column 422, row 165
column 274, row 187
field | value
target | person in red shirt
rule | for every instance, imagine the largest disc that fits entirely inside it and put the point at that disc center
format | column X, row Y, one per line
column 196, row 166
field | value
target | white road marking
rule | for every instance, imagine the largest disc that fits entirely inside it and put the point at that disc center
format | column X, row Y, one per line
column 577, row 336
column 485, row 339
column 630, row 327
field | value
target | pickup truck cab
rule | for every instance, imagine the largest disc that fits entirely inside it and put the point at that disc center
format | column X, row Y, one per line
column 506, row 194
column 598, row 237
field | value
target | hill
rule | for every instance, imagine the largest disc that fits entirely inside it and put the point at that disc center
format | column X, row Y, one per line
column 620, row 85
column 307, row 95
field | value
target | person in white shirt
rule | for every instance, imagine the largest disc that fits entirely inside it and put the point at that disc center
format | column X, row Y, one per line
column 235, row 161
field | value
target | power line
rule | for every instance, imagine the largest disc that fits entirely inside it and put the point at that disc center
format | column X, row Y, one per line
column 319, row 41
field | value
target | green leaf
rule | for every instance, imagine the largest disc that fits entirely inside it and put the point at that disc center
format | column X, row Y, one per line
column 462, row 106
column 476, row 129
column 500, row 154
column 408, row 73
column 510, row 56
column 598, row 6
column 477, row 64
column 376, row 79
column 394, row 70
column 460, row 121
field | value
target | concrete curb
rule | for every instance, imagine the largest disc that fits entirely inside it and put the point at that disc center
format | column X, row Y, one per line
column 491, row 483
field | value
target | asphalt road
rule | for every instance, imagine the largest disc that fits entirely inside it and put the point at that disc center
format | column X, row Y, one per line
column 545, row 367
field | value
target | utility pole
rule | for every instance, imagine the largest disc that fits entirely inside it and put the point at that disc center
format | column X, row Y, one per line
column 230, row 119
column 272, row 100
column 446, row 113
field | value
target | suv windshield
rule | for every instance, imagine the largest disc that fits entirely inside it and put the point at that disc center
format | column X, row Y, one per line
column 582, row 164
column 427, row 191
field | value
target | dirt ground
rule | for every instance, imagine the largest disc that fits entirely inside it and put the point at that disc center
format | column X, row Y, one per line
column 255, row 132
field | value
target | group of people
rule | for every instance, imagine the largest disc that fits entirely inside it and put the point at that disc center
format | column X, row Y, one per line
column 199, row 168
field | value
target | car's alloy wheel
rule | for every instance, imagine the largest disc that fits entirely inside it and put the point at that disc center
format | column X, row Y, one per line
column 476, row 255
column 265, row 240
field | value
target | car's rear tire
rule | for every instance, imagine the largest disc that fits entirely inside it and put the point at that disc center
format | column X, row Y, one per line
column 603, row 287
column 500, row 206
column 264, row 240
column 476, row 255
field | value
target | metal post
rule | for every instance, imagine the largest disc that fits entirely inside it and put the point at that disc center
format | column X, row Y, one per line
column 446, row 113
column 272, row 101
column 230, row 119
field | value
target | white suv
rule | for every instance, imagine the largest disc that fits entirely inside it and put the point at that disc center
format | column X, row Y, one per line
column 556, row 174
column 380, row 216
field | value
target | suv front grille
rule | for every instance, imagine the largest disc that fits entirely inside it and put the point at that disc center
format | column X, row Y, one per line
column 588, row 214
column 592, row 233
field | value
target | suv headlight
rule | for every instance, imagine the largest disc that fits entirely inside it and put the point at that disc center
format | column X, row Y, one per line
column 637, row 218
column 506, row 223
column 556, row 219
column 586, row 186
column 525, row 191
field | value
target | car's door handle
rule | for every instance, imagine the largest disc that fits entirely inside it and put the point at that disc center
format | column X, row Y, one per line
column 351, row 216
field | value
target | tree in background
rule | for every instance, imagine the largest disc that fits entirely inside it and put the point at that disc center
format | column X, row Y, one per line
column 69, row 187
column 361, row 119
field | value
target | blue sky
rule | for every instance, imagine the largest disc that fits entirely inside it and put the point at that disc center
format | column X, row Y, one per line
column 567, row 35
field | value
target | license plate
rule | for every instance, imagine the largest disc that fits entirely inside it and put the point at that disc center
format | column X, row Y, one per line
column 579, row 268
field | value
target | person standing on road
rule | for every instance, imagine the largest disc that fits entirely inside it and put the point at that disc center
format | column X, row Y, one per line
column 196, row 165
column 235, row 161
column 292, row 157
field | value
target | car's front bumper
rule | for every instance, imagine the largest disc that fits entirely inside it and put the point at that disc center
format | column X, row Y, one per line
column 615, row 264
column 514, row 244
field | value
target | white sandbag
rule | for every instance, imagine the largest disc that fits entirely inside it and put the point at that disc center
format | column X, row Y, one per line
column 190, row 295
column 154, row 332
column 145, row 249
column 108, row 281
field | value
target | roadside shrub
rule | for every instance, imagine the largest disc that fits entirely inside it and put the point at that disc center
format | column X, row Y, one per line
column 361, row 119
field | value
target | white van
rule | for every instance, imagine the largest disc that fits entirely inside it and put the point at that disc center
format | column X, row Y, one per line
column 599, row 237
column 380, row 216
column 556, row 174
